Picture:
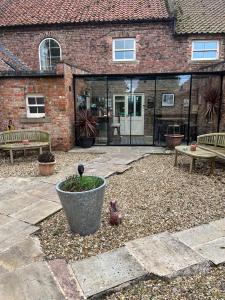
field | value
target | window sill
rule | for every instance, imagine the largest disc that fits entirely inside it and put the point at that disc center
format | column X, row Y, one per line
column 35, row 120
column 125, row 62
column 205, row 61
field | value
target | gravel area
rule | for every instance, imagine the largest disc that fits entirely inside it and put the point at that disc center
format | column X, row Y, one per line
column 208, row 286
column 27, row 166
column 153, row 197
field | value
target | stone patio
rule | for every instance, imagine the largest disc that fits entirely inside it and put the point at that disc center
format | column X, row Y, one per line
column 24, row 202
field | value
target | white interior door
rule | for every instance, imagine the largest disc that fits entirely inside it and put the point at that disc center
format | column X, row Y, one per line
column 128, row 111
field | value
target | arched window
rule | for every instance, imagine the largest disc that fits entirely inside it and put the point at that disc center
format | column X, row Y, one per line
column 49, row 54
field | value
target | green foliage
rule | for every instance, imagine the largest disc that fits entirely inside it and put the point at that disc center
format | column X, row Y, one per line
column 76, row 183
column 46, row 157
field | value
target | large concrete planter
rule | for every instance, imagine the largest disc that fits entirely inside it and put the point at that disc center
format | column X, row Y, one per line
column 83, row 209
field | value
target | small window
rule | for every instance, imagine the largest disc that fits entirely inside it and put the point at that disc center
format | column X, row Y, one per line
column 205, row 50
column 167, row 100
column 124, row 49
column 49, row 54
column 35, row 106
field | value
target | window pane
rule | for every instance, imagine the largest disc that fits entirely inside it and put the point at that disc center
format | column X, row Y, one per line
column 119, row 44
column 138, row 106
column 120, row 109
column 211, row 45
column 198, row 55
column 129, row 55
column 33, row 109
column 199, row 45
column 40, row 100
column 31, row 100
column 53, row 44
column 210, row 54
column 119, row 55
column 55, row 52
column 41, row 109
column 131, row 105
column 129, row 44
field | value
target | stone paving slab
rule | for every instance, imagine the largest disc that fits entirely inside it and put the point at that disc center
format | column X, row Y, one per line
column 199, row 235
column 213, row 251
column 21, row 254
column 32, row 282
column 11, row 205
column 66, row 279
column 165, row 256
column 220, row 224
column 5, row 219
column 37, row 212
column 106, row 271
column 15, row 236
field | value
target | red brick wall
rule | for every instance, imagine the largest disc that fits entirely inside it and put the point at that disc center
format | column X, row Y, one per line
column 90, row 47
column 58, row 106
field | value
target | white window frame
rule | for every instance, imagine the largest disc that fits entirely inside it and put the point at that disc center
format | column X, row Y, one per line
column 34, row 115
column 133, row 49
column 39, row 51
column 205, row 50
column 164, row 104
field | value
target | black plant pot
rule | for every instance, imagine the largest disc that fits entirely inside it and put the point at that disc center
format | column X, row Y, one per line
column 86, row 142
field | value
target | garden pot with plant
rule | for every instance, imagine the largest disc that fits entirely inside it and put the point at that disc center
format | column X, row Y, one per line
column 82, row 199
column 46, row 163
column 86, row 126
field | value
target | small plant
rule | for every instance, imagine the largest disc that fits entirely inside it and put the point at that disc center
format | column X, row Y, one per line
column 212, row 98
column 77, row 183
column 86, row 123
column 80, row 183
column 46, row 157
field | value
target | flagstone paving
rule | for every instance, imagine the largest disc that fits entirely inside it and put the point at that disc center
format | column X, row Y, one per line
column 24, row 275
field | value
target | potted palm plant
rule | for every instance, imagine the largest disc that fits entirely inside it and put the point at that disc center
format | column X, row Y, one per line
column 82, row 199
column 46, row 163
column 86, row 126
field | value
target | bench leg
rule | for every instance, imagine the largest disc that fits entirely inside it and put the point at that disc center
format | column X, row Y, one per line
column 212, row 166
column 11, row 155
column 40, row 150
column 176, row 155
column 192, row 164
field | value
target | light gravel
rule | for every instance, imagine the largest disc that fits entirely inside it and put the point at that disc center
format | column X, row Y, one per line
column 28, row 166
column 153, row 197
column 208, row 286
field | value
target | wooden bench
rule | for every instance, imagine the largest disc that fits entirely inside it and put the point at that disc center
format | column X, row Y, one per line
column 12, row 140
column 213, row 142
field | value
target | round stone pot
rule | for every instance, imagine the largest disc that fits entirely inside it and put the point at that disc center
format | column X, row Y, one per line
column 83, row 209
column 46, row 169
column 173, row 140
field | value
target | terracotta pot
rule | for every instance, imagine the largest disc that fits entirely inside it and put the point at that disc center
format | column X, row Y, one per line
column 173, row 140
column 46, row 169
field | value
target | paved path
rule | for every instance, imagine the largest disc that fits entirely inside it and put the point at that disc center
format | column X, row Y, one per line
column 24, row 275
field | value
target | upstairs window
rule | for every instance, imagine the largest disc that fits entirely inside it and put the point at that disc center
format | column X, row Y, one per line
column 35, row 106
column 124, row 49
column 205, row 50
column 49, row 54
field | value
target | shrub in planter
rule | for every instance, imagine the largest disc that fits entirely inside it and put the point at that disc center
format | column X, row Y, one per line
column 82, row 199
column 46, row 163
column 86, row 126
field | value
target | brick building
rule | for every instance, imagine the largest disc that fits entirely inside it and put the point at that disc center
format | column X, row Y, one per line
column 141, row 66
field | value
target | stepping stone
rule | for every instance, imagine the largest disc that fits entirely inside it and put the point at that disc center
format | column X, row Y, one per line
column 21, row 254
column 66, row 279
column 213, row 251
column 101, row 273
column 199, row 235
column 220, row 224
column 5, row 219
column 32, row 282
column 37, row 212
column 17, row 202
column 165, row 256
